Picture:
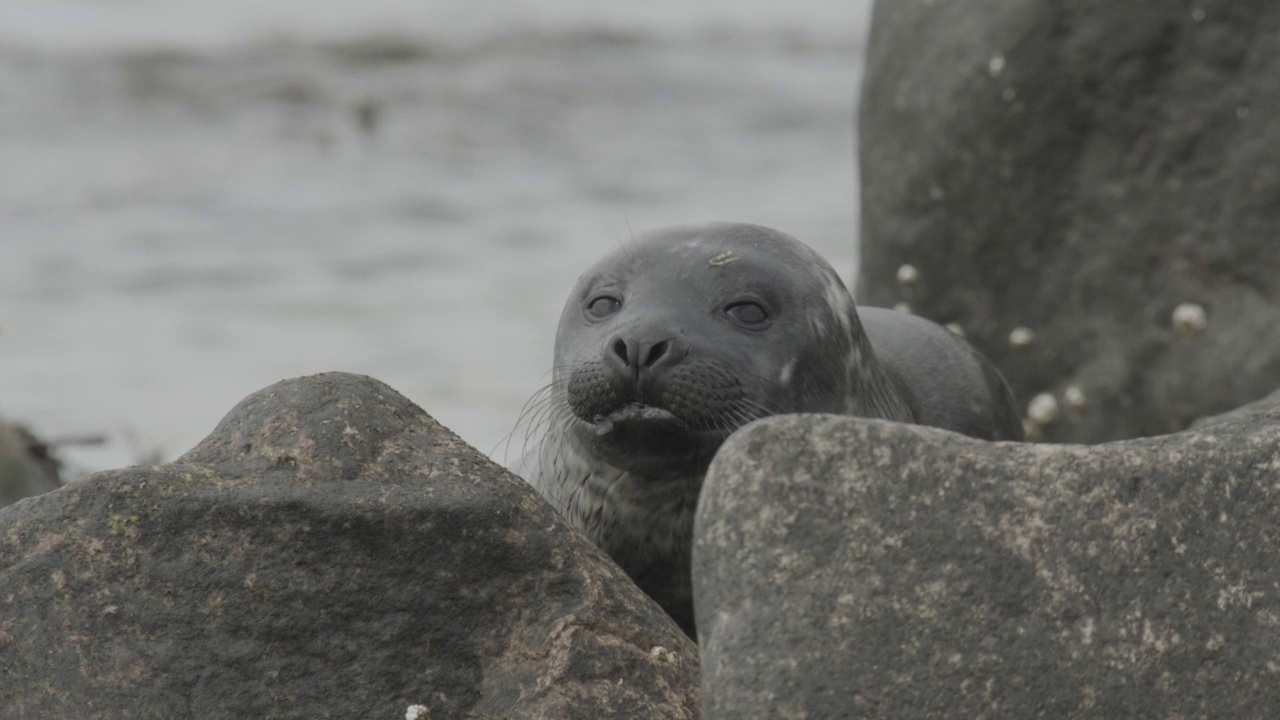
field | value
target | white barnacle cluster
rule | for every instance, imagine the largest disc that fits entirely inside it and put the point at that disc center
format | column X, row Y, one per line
column 663, row 655
column 1189, row 320
column 995, row 66
column 1022, row 337
column 1043, row 409
column 1074, row 398
column 907, row 276
column 417, row 712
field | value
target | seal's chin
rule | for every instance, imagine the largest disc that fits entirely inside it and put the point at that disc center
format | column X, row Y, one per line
column 650, row 441
column 638, row 418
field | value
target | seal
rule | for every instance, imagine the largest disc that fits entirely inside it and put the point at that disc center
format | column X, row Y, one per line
column 669, row 344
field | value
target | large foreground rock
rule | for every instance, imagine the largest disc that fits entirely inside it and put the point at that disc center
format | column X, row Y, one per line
column 330, row 551
column 1082, row 168
column 858, row 568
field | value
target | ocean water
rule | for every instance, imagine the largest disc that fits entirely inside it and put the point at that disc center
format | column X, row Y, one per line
column 200, row 199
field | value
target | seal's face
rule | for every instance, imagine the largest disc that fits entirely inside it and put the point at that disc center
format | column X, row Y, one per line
column 668, row 345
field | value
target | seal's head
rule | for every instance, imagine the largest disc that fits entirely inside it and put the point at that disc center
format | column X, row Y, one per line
column 672, row 342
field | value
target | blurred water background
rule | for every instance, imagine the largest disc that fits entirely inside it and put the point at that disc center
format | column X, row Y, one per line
column 198, row 199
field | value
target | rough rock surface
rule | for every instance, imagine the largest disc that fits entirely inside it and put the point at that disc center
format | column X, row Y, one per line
column 1081, row 168
column 330, row 551
column 856, row 568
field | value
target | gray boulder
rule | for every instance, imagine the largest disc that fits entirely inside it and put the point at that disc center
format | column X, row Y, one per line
column 330, row 551
column 855, row 568
column 1082, row 168
column 27, row 465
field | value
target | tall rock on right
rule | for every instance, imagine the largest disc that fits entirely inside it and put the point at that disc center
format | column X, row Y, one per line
column 1104, row 174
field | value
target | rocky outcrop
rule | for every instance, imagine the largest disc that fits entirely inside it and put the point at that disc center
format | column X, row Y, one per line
column 1083, row 169
column 330, row 551
column 27, row 465
column 854, row 568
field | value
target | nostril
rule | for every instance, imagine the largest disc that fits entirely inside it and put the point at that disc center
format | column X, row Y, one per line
column 656, row 352
column 620, row 349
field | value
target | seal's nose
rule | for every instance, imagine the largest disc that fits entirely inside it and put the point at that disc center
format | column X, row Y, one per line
column 635, row 356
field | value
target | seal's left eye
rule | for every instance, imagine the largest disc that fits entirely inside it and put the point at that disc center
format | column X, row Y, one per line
column 747, row 313
column 603, row 306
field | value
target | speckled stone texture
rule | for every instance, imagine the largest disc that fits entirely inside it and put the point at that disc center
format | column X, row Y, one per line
column 330, row 551
column 1081, row 168
column 856, row 568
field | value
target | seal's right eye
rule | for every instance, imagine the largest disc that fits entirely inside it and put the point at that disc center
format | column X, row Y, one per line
column 603, row 306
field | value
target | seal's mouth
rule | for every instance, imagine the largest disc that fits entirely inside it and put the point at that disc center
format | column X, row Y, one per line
column 650, row 441
column 638, row 418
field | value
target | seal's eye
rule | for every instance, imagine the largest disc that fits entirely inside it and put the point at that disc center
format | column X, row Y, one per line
column 748, row 314
column 603, row 306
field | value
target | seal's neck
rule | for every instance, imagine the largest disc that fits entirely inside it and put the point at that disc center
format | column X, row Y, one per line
column 879, row 394
column 638, row 521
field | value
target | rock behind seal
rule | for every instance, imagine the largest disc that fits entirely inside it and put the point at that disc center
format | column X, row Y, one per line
column 28, row 466
column 848, row 568
column 330, row 551
column 1082, row 168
